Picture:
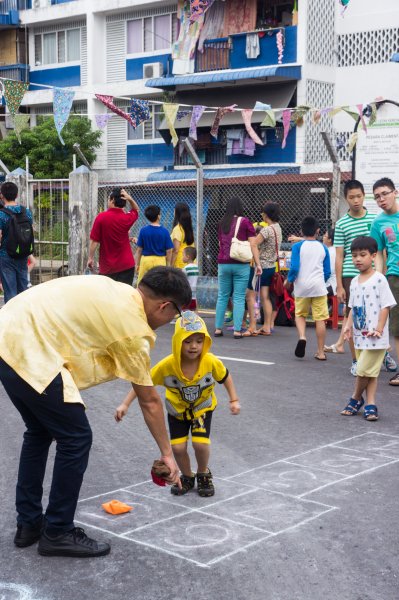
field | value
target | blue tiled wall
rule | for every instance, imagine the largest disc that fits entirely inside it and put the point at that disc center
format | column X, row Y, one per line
column 149, row 155
column 59, row 77
column 268, row 50
column 134, row 66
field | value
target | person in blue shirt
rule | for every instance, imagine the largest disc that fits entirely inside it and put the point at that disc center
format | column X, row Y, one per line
column 154, row 244
column 13, row 271
column 309, row 271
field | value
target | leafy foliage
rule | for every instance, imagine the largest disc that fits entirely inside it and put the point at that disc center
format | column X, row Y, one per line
column 48, row 158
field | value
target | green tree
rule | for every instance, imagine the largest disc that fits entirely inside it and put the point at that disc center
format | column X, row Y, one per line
column 48, row 158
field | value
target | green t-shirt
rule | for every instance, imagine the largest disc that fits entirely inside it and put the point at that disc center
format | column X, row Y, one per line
column 385, row 230
column 346, row 230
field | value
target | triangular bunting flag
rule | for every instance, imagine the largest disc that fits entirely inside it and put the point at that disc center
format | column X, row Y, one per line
column 181, row 114
column 102, row 120
column 360, row 109
column 373, row 116
column 108, row 102
column 221, row 111
column 316, row 116
column 334, row 111
column 299, row 113
column 247, row 115
column 21, row 122
column 352, row 141
column 195, row 117
column 269, row 120
column 62, row 102
column 13, row 93
column 353, row 113
column 170, row 111
column 139, row 112
column 261, row 106
column 286, row 125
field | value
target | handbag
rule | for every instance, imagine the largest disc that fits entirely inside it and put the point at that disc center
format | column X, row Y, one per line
column 277, row 282
column 240, row 250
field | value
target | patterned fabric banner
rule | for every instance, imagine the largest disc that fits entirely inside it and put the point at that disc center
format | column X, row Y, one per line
column 170, row 111
column 198, row 8
column 108, row 102
column 13, row 93
column 139, row 111
column 286, row 125
column 195, row 117
column 181, row 114
column 62, row 102
column 102, row 120
column 219, row 116
column 21, row 122
column 269, row 120
column 246, row 116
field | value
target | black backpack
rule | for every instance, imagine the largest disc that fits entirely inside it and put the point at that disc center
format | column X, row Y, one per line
column 20, row 237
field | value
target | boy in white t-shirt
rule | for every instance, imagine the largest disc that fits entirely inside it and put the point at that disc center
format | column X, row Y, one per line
column 191, row 270
column 310, row 269
column 370, row 301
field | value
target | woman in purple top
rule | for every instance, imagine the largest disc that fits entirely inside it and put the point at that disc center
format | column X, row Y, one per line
column 232, row 274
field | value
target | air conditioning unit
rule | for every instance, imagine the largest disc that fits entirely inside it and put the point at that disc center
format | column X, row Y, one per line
column 40, row 3
column 152, row 70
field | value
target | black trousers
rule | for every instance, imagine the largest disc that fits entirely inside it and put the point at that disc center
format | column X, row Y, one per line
column 47, row 417
column 123, row 276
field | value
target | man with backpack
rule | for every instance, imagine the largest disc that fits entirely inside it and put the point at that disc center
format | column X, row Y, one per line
column 16, row 242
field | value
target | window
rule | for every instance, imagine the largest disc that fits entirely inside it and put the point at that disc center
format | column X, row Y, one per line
column 148, row 129
column 151, row 33
column 57, row 47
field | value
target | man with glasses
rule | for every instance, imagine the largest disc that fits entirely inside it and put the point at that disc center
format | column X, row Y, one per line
column 385, row 230
column 60, row 337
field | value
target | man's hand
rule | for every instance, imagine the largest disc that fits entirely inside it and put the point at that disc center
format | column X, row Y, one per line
column 90, row 264
column 341, row 295
column 174, row 476
column 128, row 198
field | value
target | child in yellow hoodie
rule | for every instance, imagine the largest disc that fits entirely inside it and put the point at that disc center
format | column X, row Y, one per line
column 189, row 375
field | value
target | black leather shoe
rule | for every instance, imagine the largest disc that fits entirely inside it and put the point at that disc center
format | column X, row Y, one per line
column 73, row 543
column 26, row 536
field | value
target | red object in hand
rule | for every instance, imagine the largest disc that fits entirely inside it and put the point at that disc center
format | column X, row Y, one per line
column 158, row 480
column 159, row 471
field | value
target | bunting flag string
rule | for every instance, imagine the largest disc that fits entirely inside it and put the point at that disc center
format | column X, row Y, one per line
column 139, row 112
column 195, row 117
column 219, row 116
column 269, row 120
column 62, row 103
column 108, row 101
column 13, row 93
column 170, row 112
column 102, row 120
column 246, row 117
column 21, row 122
column 286, row 126
column 363, row 122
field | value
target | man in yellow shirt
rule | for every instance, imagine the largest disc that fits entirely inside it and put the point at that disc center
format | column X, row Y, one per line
column 56, row 339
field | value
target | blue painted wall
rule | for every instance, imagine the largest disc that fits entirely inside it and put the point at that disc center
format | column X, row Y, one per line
column 59, row 77
column 134, row 66
column 149, row 155
column 268, row 50
column 271, row 152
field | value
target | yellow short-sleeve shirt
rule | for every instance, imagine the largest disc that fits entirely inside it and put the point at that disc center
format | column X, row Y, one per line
column 178, row 234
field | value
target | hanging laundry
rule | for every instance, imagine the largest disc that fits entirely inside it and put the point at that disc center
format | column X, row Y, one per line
column 198, row 8
column 252, row 46
column 213, row 24
column 240, row 15
column 234, row 141
column 21, row 122
column 170, row 112
column 102, row 120
column 280, row 46
column 108, row 102
column 247, row 115
column 219, row 116
column 195, row 117
column 139, row 112
column 62, row 103
column 183, row 50
column 13, row 93
column 286, row 126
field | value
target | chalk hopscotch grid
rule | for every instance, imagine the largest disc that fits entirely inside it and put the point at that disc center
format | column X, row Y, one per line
column 251, row 489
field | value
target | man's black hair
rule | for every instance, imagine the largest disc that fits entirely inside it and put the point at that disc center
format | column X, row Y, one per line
column 364, row 242
column 309, row 226
column 384, row 182
column 330, row 233
column 9, row 190
column 152, row 213
column 353, row 184
column 167, row 283
column 272, row 210
column 191, row 252
column 115, row 195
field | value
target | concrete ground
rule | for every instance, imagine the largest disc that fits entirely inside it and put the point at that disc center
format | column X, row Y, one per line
column 306, row 504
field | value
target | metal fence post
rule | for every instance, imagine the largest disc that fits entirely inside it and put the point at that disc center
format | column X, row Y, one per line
column 83, row 194
column 336, row 181
column 200, row 201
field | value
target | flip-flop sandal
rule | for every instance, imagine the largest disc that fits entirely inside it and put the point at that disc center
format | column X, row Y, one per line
column 333, row 349
column 319, row 358
column 262, row 332
column 249, row 333
column 218, row 334
column 300, row 348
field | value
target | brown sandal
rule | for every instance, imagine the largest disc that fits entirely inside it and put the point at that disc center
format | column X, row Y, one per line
column 249, row 333
column 261, row 331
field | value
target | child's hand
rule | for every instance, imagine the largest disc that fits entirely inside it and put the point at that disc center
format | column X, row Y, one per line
column 120, row 412
column 374, row 333
column 347, row 333
column 235, row 407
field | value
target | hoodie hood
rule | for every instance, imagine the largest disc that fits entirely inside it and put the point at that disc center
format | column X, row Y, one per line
column 188, row 324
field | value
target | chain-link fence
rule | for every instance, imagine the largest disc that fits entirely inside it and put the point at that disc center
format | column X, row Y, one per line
column 298, row 196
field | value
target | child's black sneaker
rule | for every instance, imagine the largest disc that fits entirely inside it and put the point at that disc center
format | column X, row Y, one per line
column 205, row 484
column 187, row 484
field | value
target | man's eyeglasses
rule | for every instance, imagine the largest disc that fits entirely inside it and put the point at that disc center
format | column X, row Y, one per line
column 383, row 195
column 176, row 307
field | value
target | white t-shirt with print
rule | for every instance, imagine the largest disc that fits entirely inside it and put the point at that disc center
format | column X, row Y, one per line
column 366, row 301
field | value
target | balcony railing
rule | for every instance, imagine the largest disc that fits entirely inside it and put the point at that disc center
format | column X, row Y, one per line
column 216, row 56
column 15, row 72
